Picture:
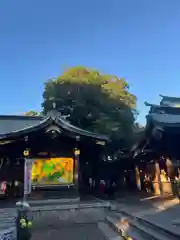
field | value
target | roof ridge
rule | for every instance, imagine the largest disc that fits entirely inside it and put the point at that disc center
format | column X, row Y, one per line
column 21, row 117
column 170, row 97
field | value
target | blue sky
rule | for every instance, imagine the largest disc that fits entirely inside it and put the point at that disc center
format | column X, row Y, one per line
column 135, row 39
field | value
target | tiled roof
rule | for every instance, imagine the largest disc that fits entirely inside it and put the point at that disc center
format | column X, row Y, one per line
column 14, row 125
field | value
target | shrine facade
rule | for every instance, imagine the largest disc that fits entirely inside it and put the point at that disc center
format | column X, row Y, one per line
column 54, row 153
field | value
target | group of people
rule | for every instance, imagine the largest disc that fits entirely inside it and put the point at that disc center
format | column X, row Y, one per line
column 105, row 187
column 11, row 189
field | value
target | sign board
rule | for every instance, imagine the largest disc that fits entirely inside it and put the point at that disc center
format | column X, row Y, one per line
column 27, row 176
column 52, row 171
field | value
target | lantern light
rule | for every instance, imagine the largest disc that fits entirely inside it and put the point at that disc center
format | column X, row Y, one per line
column 26, row 153
column 77, row 152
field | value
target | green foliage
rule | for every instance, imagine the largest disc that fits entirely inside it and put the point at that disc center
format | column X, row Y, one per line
column 31, row 113
column 95, row 102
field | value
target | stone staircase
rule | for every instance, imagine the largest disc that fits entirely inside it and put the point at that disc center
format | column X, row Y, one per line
column 7, row 223
column 109, row 233
column 137, row 228
column 115, row 223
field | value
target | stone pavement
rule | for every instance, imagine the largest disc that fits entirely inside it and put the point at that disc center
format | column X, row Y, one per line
column 164, row 213
column 83, row 220
column 75, row 232
column 7, row 222
column 75, row 220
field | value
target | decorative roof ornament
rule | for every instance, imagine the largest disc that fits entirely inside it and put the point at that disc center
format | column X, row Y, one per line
column 53, row 131
column 54, row 105
column 147, row 104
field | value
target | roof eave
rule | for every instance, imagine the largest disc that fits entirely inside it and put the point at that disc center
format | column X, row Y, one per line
column 71, row 128
column 26, row 131
column 54, row 117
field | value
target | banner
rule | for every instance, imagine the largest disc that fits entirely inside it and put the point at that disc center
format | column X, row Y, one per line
column 52, row 171
column 27, row 176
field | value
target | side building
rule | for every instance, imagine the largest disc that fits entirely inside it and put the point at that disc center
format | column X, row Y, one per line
column 47, row 152
column 157, row 155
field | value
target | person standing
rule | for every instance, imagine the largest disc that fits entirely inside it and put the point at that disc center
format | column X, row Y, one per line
column 102, row 186
column 113, row 188
column 177, row 182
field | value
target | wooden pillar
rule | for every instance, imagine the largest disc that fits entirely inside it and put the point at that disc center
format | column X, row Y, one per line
column 76, row 165
column 170, row 168
column 138, row 179
column 157, row 180
column 167, row 188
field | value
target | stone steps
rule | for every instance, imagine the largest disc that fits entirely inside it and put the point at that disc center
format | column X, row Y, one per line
column 7, row 218
column 170, row 231
column 70, row 206
column 130, row 232
column 108, row 232
column 137, row 228
column 8, row 223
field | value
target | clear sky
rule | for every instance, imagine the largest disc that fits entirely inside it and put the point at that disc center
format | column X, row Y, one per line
column 135, row 39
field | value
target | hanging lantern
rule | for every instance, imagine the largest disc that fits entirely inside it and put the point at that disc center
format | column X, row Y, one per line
column 26, row 152
column 76, row 152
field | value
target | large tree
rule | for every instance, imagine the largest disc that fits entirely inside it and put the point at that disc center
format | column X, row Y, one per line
column 94, row 101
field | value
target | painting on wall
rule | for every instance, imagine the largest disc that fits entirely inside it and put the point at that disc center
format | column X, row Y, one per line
column 52, row 171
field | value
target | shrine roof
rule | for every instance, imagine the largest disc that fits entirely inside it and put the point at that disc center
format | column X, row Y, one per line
column 164, row 115
column 11, row 123
column 160, row 105
column 15, row 125
column 164, row 120
column 169, row 97
column 157, row 126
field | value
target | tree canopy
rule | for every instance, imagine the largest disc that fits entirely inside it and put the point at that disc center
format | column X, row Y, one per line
column 94, row 101
column 31, row 113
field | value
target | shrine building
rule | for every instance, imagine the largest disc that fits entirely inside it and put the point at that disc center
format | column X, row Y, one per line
column 157, row 155
column 53, row 153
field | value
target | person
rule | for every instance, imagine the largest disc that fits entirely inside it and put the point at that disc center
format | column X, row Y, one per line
column 16, row 188
column 3, row 187
column 90, row 183
column 8, row 189
column 113, row 188
column 177, row 182
column 94, row 185
column 102, row 186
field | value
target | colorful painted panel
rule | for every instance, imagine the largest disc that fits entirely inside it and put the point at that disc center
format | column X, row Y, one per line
column 53, row 171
